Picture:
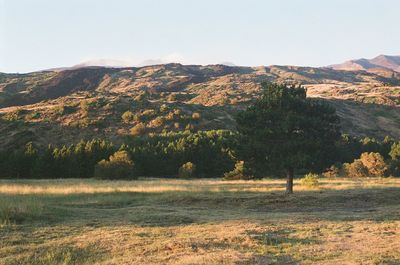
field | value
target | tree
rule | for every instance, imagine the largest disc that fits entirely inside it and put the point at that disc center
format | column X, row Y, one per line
column 284, row 131
column 395, row 151
column 118, row 166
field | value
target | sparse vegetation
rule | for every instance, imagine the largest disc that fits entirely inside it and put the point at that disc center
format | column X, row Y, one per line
column 187, row 170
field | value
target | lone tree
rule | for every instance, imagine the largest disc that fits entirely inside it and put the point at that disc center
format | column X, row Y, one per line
column 284, row 131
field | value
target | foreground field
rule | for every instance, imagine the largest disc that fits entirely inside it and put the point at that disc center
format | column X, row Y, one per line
column 199, row 222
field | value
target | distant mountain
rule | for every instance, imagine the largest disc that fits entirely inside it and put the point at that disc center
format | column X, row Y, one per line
column 382, row 61
column 107, row 63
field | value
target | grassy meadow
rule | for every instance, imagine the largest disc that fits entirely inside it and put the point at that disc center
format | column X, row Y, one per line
column 206, row 221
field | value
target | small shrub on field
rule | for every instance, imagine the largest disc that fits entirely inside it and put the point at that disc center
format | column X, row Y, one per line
column 118, row 166
column 157, row 122
column 239, row 172
column 178, row 112
column 332, row 172
column 128, row 117
column 163, row 108
column 310, row 180
column 138, row 129
column 187, row 170
column 196, row 116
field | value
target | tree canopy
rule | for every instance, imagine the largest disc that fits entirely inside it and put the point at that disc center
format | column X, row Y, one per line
column 284, row 131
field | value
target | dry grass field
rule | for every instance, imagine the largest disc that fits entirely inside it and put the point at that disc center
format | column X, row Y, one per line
column 168, row 221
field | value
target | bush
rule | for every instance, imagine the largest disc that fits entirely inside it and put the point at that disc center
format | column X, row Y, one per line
column 375, row 164
column 239, row 172
column 118, row 166
column 187, row 170
column 138, row 129
column 163, row 108
column 310, row 180
column 196, row 116
column 127, row 117
column 332, row 172
column 356, row 169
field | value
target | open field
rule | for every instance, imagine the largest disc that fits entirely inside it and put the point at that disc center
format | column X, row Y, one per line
column 161, row 221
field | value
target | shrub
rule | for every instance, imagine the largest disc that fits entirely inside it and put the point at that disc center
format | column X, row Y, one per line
column 163, row 108
column 118, row 166
column 128, row 117
column 355, row 169
column 332, row 172
column 310, row 180
column 375, row 164
column 187, row 170
column 157, row 122
column 138, row 129
column 239, row 172
column 196, row 116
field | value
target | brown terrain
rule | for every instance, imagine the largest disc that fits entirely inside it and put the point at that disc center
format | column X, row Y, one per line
column 63, row 106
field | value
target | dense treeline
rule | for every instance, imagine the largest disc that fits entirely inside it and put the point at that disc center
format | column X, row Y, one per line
column 160, row 155
column 212, row 152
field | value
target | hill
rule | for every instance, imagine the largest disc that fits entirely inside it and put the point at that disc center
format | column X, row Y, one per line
column 391, row 63
column 65, row 106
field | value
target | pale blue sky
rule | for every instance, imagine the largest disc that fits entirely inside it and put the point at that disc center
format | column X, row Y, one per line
column 41, row 34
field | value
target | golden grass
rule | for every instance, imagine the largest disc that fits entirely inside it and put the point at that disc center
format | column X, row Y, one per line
column 169, row 221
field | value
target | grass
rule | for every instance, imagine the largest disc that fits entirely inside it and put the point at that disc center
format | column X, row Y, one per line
column 170, row 221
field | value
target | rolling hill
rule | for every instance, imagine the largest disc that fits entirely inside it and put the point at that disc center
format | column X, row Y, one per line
column 64, row 106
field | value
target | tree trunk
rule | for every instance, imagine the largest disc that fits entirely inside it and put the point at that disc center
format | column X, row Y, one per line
column 289, row 181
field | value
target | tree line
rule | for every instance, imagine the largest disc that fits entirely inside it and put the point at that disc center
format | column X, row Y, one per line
column 213, row 153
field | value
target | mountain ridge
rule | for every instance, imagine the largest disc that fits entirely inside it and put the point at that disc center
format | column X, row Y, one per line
column 388, row 62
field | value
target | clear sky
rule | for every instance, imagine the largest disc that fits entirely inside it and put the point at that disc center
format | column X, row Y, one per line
column 41, row 34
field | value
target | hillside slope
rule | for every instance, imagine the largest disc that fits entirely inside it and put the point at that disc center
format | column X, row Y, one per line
column 66, row 106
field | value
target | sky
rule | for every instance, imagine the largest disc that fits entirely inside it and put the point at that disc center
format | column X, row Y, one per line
column 43, row 34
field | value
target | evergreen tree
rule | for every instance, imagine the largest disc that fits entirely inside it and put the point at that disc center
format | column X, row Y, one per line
column 284, row 131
